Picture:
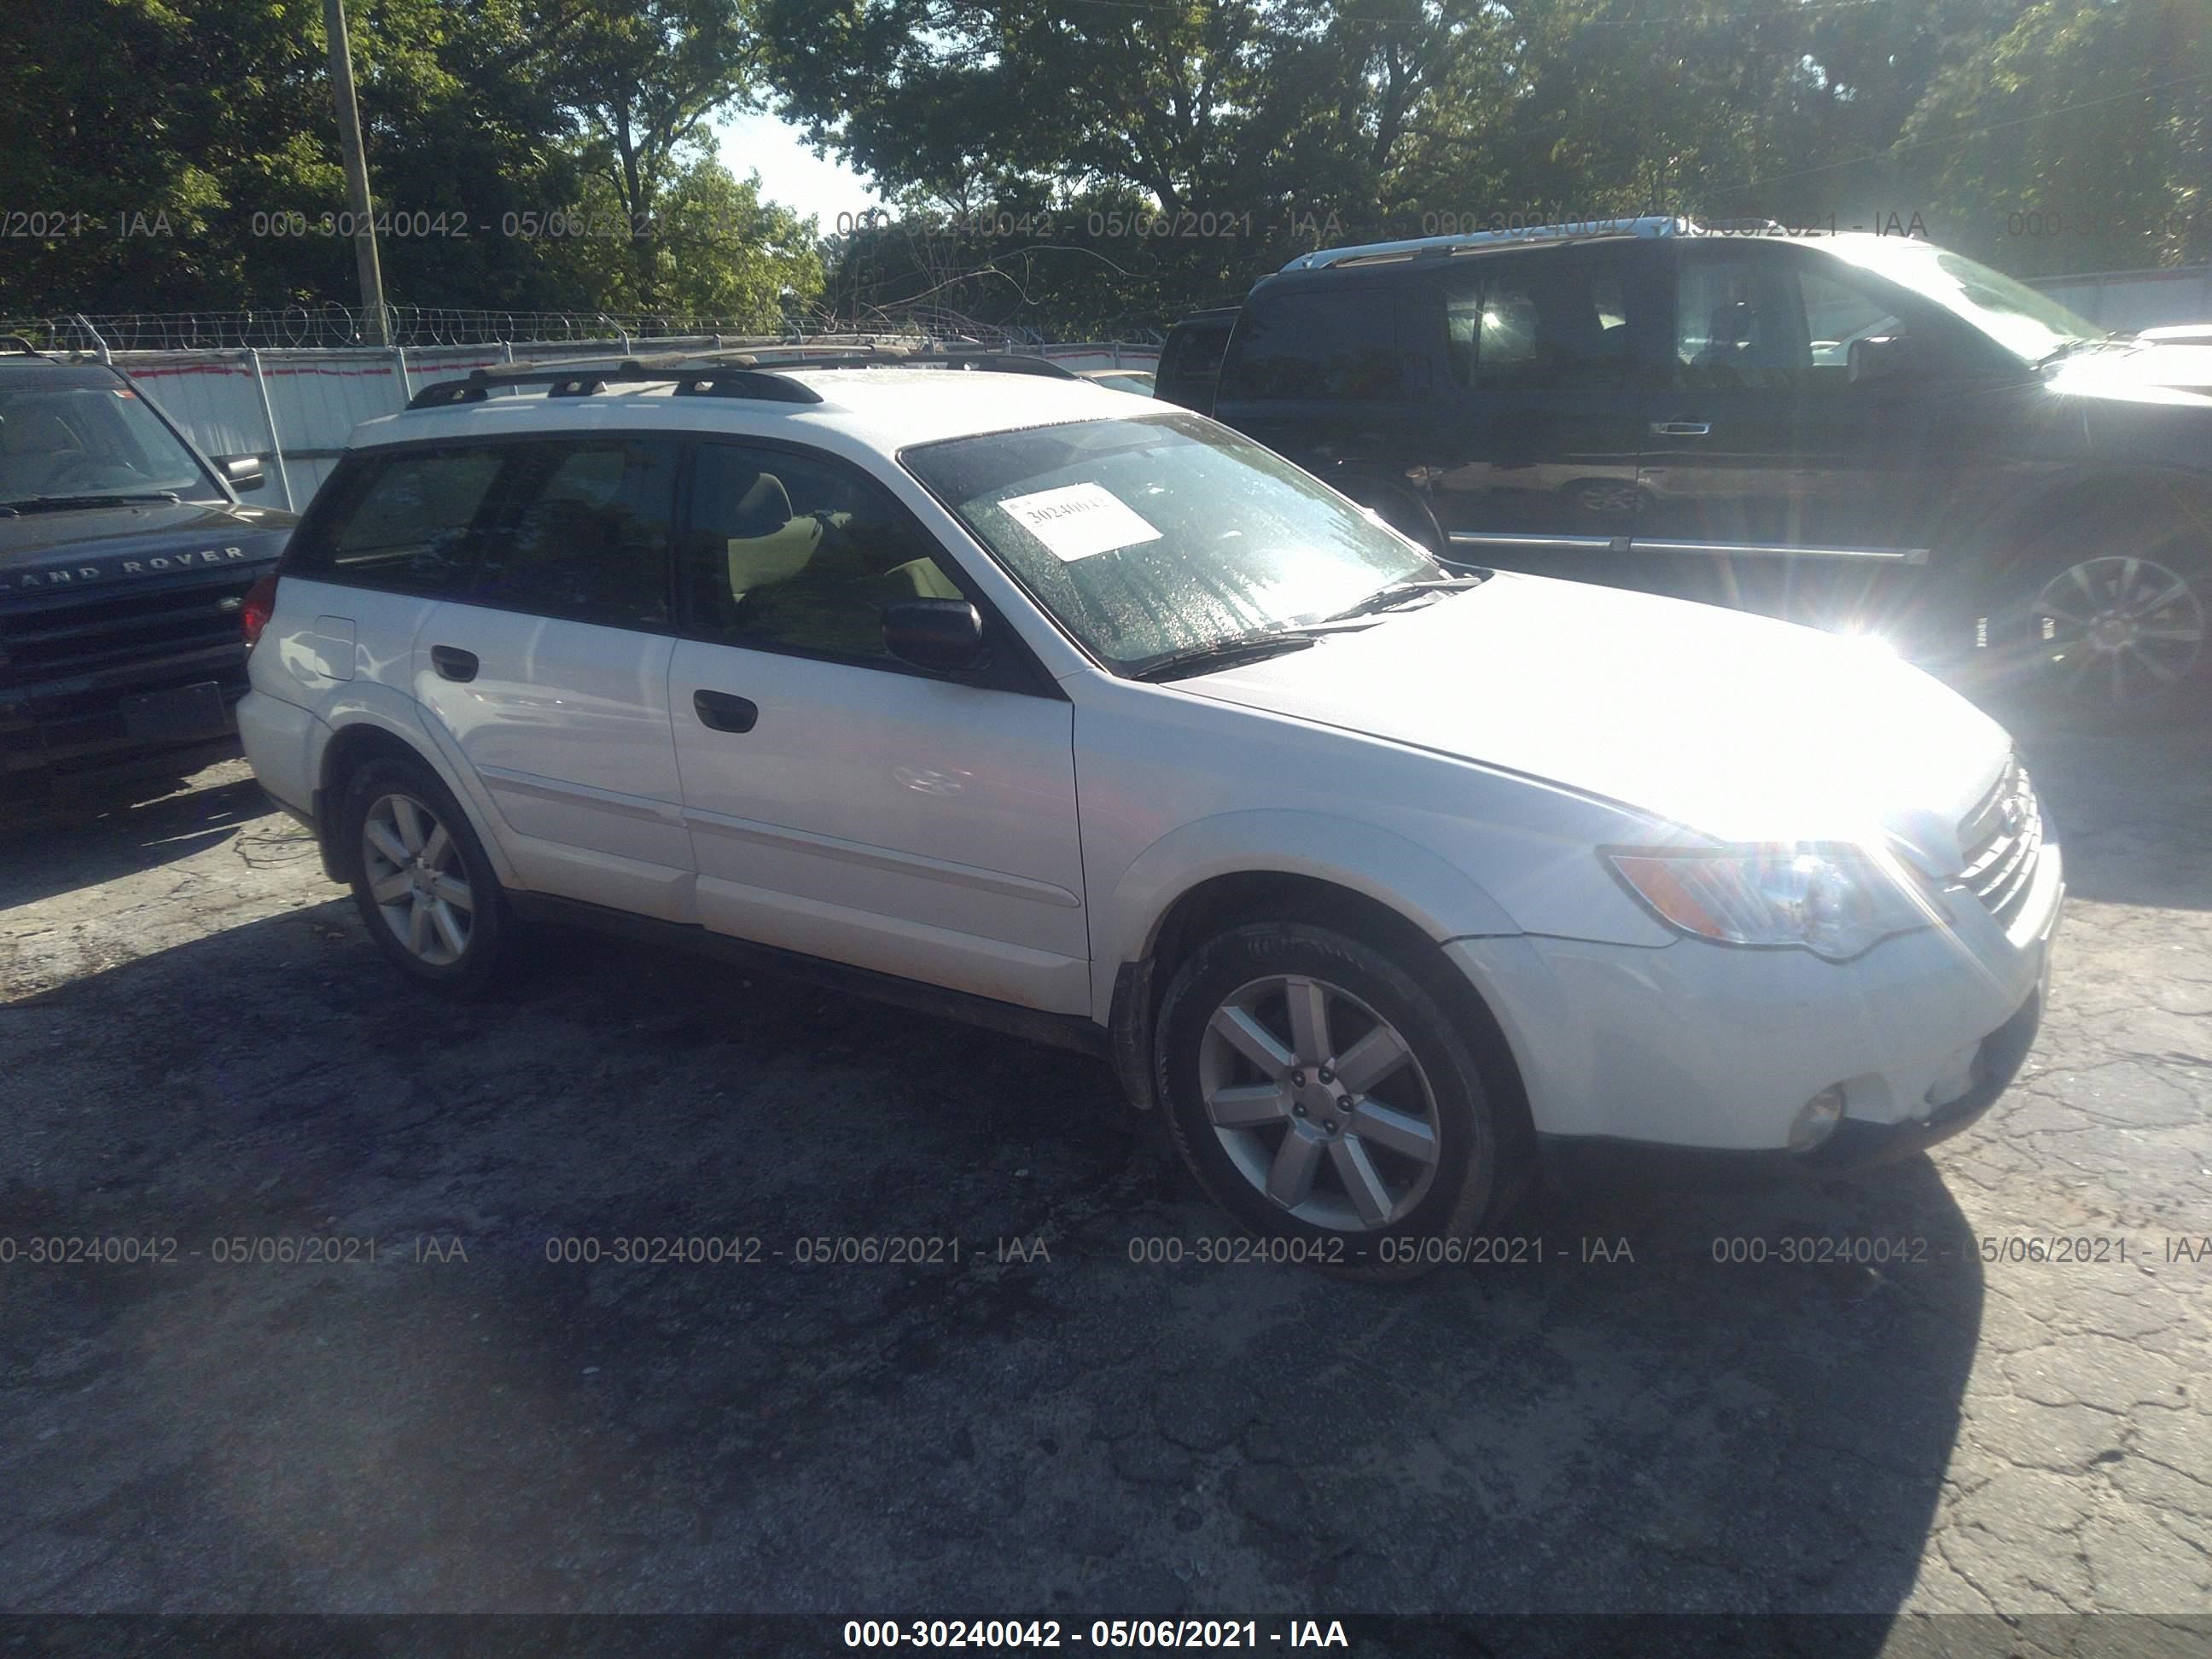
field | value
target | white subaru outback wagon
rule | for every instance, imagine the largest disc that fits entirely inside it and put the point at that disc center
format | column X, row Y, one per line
column 1013, row 697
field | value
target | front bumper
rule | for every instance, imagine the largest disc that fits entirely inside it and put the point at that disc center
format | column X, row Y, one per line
column 1584, row 1162
column 79, row 724
column 1692, row 1060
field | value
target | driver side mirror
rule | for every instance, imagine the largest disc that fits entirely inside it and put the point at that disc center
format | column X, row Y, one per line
column 1883, row 360
column 245, row 473
column 944, row 634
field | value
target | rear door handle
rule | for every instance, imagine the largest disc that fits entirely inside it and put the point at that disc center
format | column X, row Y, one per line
column 724, row 711
column 1682, row 428
column 452, row 662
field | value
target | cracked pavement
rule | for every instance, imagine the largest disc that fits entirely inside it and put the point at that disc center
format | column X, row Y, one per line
column 198, row 1043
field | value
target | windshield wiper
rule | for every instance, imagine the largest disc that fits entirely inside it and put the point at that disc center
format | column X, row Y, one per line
column 2067, row 348
column 64, row 503
column 1205, row 659
column 1398, row 593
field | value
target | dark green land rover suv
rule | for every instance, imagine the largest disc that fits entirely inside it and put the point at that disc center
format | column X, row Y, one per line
column 124, row 559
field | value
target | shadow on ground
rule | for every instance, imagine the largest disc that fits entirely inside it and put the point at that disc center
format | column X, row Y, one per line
column 98, row 833
column 1624, row 1419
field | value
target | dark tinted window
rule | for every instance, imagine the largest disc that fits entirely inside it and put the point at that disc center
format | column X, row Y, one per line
column 404, row 520
column 1538, row 321
column 583, row 532
column 1764, row 324
column 1334, row 342
column 801, row 553
column 1190, row 361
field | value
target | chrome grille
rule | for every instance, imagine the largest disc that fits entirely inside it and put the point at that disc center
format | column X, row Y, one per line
column 2000, row 839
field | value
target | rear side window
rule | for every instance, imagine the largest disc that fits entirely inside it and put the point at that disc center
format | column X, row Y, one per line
column 404, row 521
column 1538, row 322
column 582, row 529
column 1335, row 343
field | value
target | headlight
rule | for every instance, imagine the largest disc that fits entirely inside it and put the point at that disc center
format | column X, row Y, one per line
column 1835, row 901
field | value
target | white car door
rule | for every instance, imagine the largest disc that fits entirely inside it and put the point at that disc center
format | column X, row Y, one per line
column 840, row 803
column 550, row 677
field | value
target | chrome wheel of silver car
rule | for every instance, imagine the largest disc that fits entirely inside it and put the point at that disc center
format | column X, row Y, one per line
column 2117, row 627
column 1318, row 1102
column 417, row 879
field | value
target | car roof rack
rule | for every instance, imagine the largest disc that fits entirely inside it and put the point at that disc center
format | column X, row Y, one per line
column 1444, row 246
column 752, row 374
column 16, row 345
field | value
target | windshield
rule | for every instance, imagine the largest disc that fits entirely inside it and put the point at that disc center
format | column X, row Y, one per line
column 89, row 440
column 2029, row 325
column 1153, row 538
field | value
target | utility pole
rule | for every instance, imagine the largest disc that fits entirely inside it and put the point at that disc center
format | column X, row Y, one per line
column 356, row 171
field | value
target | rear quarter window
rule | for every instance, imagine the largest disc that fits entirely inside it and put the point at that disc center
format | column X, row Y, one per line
column 408, row 520
column 1338, row 343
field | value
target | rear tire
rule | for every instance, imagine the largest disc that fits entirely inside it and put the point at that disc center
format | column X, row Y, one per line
column 425, row 889
column 1321, row 1095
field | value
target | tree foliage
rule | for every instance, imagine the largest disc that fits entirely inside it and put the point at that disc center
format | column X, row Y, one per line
column 2067, row 135
column 1070, row 164
column 525, row 154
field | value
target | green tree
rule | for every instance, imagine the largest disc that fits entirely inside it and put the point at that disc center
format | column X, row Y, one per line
column 2080, row 141
column 718, row 251
column 641, row 78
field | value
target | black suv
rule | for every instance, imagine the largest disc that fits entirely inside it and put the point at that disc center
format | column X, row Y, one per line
column 1865, row 432
column 125, row 556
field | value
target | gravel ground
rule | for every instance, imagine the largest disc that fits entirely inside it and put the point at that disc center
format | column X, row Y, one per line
column 198, row 1045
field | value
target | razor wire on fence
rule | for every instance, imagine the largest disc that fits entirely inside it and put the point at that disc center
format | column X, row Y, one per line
column 413, row 327
column 290, row 384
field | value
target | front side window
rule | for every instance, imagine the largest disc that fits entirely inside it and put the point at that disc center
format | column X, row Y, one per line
column 90, row 441
column 1336, row 343
column 582, row 531
column 405, row 520
column 1153, row 536
column 800, row 553
column 1746, row 323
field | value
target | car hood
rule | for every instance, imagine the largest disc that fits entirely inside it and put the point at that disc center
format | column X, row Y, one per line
column 2184, row 366
column 87, row 547
column 1730, row 727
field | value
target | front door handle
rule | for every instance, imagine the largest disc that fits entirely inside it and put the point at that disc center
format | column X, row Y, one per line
column 724, row 711
column 452, row 662
column 1682, row 428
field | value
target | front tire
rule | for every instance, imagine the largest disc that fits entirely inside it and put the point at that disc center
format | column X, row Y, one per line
column 425, row 889
column 2115, row 621
column 1321, row 1093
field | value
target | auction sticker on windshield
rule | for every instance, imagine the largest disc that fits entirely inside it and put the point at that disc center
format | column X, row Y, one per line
column 1078, row 520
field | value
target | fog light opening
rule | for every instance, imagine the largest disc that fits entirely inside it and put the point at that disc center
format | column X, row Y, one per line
column 1816, row 1120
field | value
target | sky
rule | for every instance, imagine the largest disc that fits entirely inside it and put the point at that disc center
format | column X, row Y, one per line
column 790, row 173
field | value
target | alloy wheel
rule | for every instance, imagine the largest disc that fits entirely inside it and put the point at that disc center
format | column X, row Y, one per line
column 2118, row 627
column 416, row 876
column 1318, row 1102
